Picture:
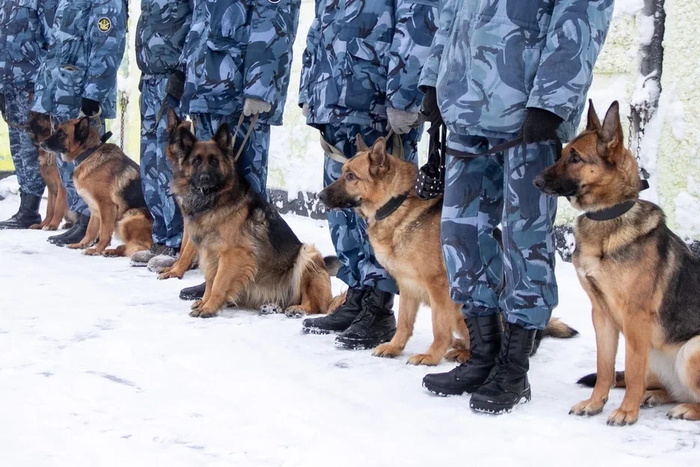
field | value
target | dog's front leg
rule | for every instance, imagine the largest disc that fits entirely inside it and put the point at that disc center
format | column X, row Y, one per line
column 236, row 269
column 408, row 309
column 188, row 252
column 637, row 330
column 108, row 216
column 606, row 336
column 90, row 233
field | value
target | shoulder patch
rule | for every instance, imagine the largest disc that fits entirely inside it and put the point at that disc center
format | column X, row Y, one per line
column 104, row 24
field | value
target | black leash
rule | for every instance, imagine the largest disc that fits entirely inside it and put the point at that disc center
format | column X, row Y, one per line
column 81, row 158
column 390, row 207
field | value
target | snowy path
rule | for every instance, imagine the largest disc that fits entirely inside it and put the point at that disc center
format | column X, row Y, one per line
column 101, row 365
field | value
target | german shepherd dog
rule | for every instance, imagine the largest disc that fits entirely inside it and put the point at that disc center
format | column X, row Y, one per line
column 110, row 184
column 641, row 278
column 249, row 255
column 407, row 243
column 39, row 129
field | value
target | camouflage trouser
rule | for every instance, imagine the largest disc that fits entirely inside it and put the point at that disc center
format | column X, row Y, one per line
column 25, row 156
column 481, row 193
column 348, row 231
column 253, row 161
column 156, row 171
column 65, row 169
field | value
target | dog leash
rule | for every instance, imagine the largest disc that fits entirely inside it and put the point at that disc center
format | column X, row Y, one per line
column 81, row 158
column 253, row 121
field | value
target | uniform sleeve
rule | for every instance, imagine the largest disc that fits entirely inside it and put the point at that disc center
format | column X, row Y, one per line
column 447, row 11
column 307, row 59
column 269, row 53
column 577, row 32
column 414, row 29
column 107, row 38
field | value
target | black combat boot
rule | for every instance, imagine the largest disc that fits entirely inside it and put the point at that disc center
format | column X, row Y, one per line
column 374, row 324
column 195, row 292
column 507, row 385
column 27, row 214
column 73, row 235
column 484, row 344
column 341, row 318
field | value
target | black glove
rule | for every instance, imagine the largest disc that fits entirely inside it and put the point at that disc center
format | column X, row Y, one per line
column 540, row 125
column 2, row 104
column 89, row 107
column 175, row 86
column 430, row 106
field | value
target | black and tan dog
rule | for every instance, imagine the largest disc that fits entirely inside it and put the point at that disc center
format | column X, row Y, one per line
column 641, row 278
column 110, row 184
column 39, row 129
column 249, row 255
column 404, row 231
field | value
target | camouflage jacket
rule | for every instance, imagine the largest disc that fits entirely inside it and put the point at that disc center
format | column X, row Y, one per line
column 160, row 34
column 237, row 49
column 362, row 56
column 23, row 41
column 493, row 58
column 85, row 48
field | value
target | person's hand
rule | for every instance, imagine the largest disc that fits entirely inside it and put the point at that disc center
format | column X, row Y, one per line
column 430, row 105
column 175, row 86
column 255, row 107
column 540, row 125
column 401, row 121
column 305, row 109
column 89, row 108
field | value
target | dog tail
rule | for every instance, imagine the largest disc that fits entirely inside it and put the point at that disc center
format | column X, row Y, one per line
column 332, row 264
column 590, row 380
column 559, row 329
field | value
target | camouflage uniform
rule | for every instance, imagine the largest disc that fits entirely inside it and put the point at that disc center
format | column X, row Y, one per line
column 85, row 48
column 23, row 27
column 489, row 61
column 237, row 50
column 362, row 57
column 160, row 36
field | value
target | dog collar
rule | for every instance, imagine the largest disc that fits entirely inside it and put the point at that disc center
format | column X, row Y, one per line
column 392, row 205
column 81, row 158
column 611, row 213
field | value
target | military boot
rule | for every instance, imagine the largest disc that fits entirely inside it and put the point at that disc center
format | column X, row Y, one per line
column 195, row 292
column 341, row 318
column 27, row 214
column 507, row 384
column 73, row 235
column 484, row 344
column 374, row 324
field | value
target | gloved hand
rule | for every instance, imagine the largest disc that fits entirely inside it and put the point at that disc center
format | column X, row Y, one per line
column 305, row 109
column 401, row 121
column 2, row 104
column 430, row 105
column 89, row 107
column 255, row 107
column 175, row 86
column 540, row 125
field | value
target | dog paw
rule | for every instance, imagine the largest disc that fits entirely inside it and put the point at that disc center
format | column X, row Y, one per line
column 75, row 246
column 36, row 227
column 113, row 253
column 50, row 227
column 457, row 355
column 653, row 399
column 270, row 309
column 169, row 273
column 387, row 350
column 685, row 412
column 588, row 408
column 623, row 417
column 424, row 359
column 295, row 311
column 201, row 311
column 91, row 252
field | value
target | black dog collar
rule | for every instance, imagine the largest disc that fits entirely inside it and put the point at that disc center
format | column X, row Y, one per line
column 392, row 205
column 81, row 158
column 611, row 213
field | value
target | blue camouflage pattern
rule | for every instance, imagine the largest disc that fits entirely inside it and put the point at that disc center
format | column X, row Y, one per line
column 363, row 56
column 23, row 41
column 360, row 268
column 156, row 170
column 481, row 194
column 238, row 49
column 85, row 48
column 493, row 58
column 252, row 164
column 25, row 155
column 160, row 35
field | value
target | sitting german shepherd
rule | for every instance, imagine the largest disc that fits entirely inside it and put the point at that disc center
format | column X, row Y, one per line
column 406, row 241
column 642, row 280
column 110, row 184
column 249, row 255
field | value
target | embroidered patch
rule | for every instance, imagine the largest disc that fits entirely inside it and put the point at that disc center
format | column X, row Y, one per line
column 104, row 24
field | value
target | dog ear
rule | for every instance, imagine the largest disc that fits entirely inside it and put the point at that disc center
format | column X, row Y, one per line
column 82, row 130
column 378, row 158
column 360, row 142
column 185, row 142
column 223, row 139
column 173, row 120
column 593, row 123
column 611, row 132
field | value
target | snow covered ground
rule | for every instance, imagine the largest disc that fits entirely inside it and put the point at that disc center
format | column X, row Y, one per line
column 101, row 365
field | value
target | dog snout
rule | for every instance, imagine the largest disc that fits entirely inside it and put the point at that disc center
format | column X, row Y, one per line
column 323, row 197
column 540, row 182
column 204, row 179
